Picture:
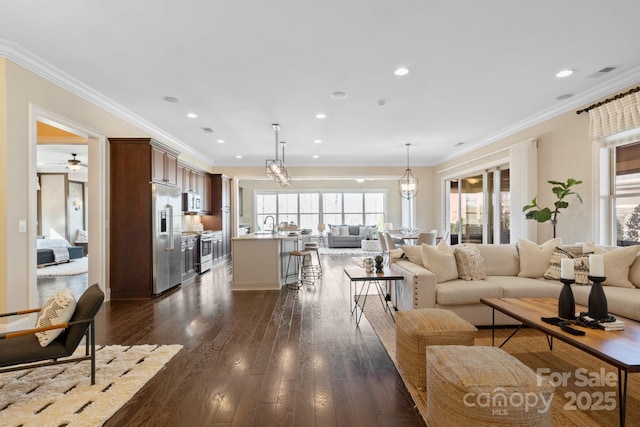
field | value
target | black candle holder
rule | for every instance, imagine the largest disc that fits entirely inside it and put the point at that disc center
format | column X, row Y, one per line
column 598, row 309
column 566, row 302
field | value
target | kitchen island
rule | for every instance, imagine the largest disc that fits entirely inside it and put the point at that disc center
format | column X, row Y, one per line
column 260, row 259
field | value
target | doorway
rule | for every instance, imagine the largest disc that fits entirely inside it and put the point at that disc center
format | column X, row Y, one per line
column 68, row 205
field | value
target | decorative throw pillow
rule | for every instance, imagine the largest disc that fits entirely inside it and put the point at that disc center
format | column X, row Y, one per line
column 83, row 236
column 397, row 254
column 441, row 261
column 470, row 263
column 335, row 230
column 617, row 262
column 344, row 230
column 534, row 258
column 58, row 309
column 414, row 253
column 580, row 269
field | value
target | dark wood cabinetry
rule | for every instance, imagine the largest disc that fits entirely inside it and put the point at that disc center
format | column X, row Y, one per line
column 190, row 256
column 164, row 166
column 190, row 180
column 221, row 209
column 134, row 162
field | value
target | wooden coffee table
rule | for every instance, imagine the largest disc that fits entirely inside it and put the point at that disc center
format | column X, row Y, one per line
column 618, row 348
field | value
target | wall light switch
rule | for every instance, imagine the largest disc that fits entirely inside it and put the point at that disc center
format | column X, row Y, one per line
column 22, row 226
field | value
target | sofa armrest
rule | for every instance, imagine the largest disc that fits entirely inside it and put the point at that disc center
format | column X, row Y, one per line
column 418, row 289
column 329, row 239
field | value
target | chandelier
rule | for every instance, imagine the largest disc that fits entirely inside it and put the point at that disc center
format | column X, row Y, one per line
column 408, row 184
column 276, row 169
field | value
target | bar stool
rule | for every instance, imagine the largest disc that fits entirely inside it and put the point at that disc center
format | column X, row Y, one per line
column 317, row 268
column 302, row 272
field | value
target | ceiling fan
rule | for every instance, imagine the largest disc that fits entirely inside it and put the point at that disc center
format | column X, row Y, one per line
column 74, row 164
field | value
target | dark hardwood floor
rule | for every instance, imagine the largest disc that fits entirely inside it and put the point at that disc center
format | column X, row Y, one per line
column 259, row 358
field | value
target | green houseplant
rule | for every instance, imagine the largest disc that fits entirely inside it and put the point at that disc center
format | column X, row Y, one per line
column 562, row 190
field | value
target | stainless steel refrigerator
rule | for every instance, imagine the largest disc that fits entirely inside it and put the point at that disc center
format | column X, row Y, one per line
column 167, row 225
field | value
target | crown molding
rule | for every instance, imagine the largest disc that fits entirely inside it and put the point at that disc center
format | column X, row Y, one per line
column 605, row 89
column 44, row 69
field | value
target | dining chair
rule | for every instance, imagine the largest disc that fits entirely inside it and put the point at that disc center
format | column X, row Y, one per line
column 391, row 243
column 428, row 238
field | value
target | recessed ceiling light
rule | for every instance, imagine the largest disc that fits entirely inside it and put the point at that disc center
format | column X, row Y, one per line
column 360, row 180
column 192, row 115
column 315, row 156
column 220, row 141
column 563, row 97
column 382, row 102
column 317, row 141
column 239, row 156
column 171, row 99
column 564, row 73
column 208, row 130
column 321, row 116
column 401, row 71
column 338, row 95
column 458, row 144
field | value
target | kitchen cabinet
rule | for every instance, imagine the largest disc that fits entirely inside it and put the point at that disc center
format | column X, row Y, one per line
column 205, row 196
column 164, row 166
column 221, row 209
column 133, row 162
column 189, row 252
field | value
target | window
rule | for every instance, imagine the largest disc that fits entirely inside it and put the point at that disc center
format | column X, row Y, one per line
column 308, row 209
column 625, row 193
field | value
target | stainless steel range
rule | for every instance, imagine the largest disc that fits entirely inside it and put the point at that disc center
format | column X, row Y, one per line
column 206, row 251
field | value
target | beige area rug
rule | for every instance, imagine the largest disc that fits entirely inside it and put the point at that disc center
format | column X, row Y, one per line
column 71, row 268
column 582, row 399
column 62, row 395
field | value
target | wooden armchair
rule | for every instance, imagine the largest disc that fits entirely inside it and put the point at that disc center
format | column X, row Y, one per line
column 22, row 347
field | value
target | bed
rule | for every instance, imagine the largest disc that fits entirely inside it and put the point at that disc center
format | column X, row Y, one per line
column 55, row 251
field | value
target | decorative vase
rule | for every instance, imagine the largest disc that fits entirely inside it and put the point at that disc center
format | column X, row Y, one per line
column 597, row 299
column 379, row 267
column 566, row 302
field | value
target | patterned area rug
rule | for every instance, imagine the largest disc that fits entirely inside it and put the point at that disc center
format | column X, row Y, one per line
column 579, row 399
column 63, row 394
column 71, row 268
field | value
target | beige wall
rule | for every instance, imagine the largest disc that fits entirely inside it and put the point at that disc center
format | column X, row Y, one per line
column 4, row 182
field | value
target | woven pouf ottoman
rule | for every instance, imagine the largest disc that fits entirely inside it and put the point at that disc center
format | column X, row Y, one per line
column 416, row 329
column 484, row 386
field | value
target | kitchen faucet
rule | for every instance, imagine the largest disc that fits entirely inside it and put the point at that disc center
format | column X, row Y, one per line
column 273, row 222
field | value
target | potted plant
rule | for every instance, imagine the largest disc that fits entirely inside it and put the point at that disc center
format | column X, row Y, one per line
column 379, row 263
column 561, row 190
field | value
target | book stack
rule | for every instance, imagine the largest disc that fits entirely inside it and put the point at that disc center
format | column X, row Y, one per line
column 616, row 325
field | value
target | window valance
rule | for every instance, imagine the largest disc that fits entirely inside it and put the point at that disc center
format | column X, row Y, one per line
column 614, row 117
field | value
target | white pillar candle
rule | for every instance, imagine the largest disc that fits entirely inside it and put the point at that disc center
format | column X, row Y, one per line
column 596, row 265
column 567, row 268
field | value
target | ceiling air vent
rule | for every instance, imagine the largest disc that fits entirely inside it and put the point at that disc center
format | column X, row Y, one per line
column 208, row 130
column 602, row 72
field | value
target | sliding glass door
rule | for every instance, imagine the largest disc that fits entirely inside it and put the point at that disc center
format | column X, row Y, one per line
column 479, row 207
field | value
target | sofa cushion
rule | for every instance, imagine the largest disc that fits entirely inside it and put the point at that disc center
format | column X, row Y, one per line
column 534, row 258
column 461, row 292
column 581, row 266
column 617, row 262
column 413, row 253
column 620, row 301
column 469, row 262
column 347, row 238
column 500, row 260
column 335, row 230
column 524, row 287
column 440, row 261
column 634, row 272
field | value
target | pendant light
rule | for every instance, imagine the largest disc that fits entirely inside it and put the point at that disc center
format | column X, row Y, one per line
column 408, row 184
column 275, row 168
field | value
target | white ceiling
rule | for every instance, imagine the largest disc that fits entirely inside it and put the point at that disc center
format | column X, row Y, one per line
column 479, row 69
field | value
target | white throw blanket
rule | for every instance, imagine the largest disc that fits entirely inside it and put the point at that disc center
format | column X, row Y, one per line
column 60, row 255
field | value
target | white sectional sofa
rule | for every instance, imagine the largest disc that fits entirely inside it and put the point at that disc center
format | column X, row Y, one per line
column 506, row 269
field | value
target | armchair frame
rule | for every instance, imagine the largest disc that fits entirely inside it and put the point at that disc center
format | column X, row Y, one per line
column 28, row 356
